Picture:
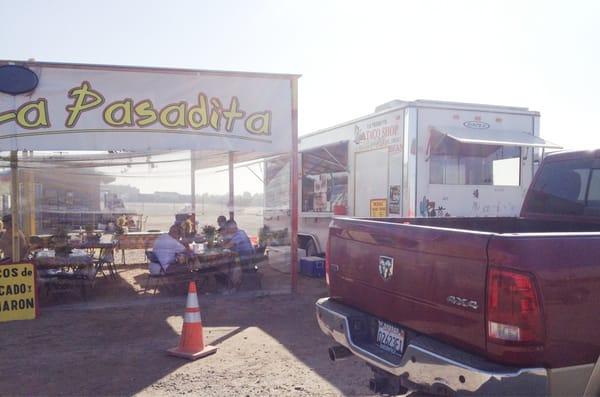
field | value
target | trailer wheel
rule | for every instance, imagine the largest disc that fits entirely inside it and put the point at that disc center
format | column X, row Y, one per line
column 311, row 248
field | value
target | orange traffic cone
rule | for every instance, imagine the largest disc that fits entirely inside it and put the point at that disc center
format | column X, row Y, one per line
column 191, row 345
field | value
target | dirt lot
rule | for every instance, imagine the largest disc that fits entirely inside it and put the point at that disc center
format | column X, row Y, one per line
column 115, row 344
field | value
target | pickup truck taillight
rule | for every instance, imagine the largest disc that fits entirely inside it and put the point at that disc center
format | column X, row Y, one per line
column 514, row 314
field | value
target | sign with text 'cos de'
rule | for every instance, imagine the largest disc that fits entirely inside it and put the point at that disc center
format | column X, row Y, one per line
column 18, row 299
column 86, row 107
column 378, row 208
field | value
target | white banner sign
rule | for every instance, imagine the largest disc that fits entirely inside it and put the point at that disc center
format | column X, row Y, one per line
column 113, row 108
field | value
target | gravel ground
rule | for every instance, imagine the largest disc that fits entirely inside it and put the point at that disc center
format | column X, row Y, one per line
column 115, row 345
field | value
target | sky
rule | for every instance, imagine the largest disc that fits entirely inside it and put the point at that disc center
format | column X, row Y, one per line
column 352, row 55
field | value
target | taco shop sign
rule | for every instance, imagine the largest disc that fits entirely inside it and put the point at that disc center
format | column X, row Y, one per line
column 17, row 292
column 105, row 108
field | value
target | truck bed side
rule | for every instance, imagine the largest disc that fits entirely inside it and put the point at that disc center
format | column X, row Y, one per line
column 431, row 265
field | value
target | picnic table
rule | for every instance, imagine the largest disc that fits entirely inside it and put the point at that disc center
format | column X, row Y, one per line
column 136, row 240
column 73, row 241
column 210, row 258
column 103, row 246
column 218, row 261
column 55, row 271
column 201, row 264
column 87, row 245
column 128, row 241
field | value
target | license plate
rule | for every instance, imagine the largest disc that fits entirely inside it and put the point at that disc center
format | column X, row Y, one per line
column 390, row 337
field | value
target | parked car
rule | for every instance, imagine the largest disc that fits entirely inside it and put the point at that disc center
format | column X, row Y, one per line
column 484, row 306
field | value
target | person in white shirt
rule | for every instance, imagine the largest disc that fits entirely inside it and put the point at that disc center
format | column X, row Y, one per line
column 166, row 248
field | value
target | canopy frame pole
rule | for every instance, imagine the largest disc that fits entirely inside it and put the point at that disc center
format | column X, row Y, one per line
column 230, row 204
column 193, row 187
column 294, row 187
column 14, row 206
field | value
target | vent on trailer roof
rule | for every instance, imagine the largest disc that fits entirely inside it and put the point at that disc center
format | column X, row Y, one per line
column 390, row 105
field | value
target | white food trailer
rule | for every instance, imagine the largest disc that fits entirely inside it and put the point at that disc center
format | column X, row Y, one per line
column 412, row 159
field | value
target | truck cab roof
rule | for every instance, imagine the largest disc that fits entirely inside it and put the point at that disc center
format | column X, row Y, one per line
column 572, row 154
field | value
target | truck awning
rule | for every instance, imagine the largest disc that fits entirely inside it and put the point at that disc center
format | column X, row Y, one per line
column 496, row 137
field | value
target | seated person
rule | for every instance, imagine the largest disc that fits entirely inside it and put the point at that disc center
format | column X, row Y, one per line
column 6, row 241
column 237, row 240
column 35, row 243
column 189, row 229
column 166, row 248
column 221, row 221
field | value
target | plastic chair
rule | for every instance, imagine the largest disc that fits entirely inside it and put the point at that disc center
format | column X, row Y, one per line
column 152, row 258
column 107, row 256
column 81, row 274
column 251, row 270
column 162, row 276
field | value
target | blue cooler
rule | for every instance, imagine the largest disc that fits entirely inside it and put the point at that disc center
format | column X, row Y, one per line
column 312, row 266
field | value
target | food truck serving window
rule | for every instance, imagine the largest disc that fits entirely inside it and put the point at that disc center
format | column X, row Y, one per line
column 457, row 163
column 463, row 156
column 325, row 178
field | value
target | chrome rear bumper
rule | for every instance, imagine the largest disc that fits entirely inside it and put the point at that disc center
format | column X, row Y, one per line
column 429, row 363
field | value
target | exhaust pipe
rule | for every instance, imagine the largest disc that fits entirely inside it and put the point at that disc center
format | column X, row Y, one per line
column 338, row 352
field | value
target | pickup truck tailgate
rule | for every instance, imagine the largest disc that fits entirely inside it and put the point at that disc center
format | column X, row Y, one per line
column 426, row 279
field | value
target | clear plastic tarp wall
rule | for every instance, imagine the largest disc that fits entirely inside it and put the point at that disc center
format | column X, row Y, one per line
column 134, row 150
column 139, row 196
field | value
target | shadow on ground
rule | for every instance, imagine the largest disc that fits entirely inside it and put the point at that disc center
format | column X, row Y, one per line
column 267, row 345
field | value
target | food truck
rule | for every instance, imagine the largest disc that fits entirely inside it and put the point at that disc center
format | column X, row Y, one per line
column 411, row 159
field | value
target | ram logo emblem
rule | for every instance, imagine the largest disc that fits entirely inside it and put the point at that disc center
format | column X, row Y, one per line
column 386, row 267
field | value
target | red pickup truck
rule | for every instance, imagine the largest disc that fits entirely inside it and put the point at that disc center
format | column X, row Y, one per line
column 476, row 306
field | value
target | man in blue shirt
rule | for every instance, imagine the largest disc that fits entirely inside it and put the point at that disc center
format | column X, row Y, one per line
column 237, row 240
